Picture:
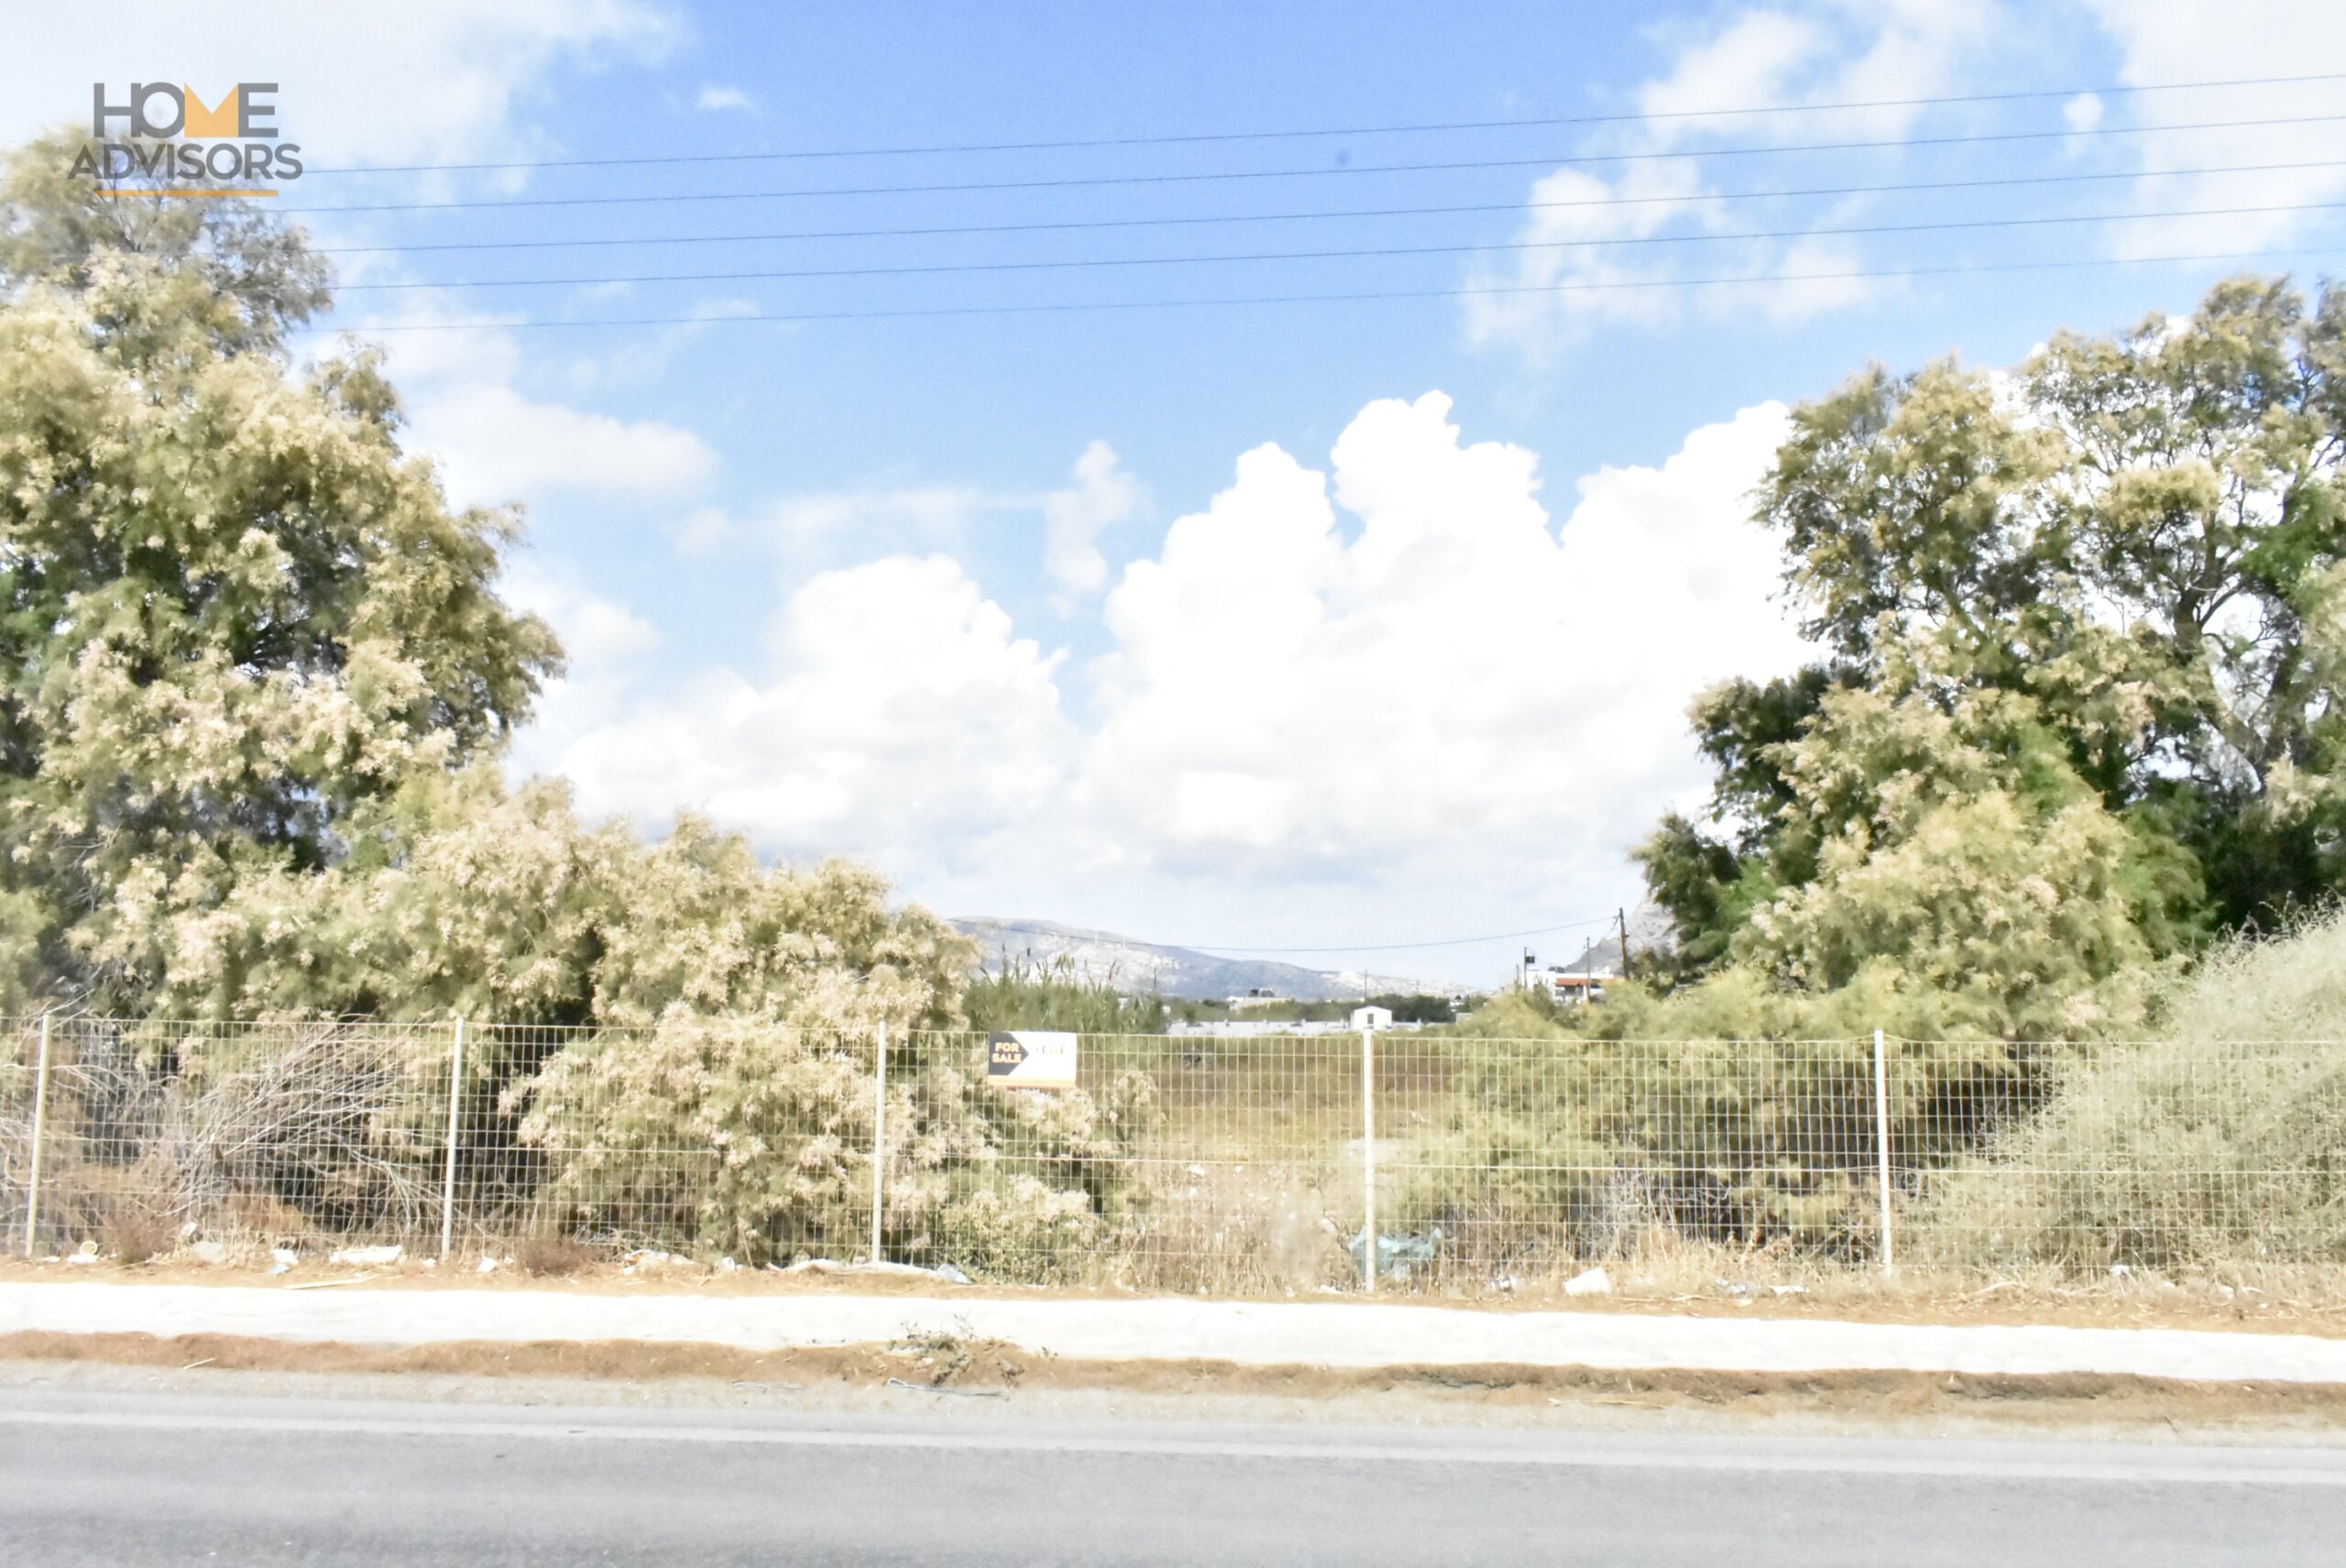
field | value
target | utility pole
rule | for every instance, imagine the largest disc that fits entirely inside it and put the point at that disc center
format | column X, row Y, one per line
column 1622, row 915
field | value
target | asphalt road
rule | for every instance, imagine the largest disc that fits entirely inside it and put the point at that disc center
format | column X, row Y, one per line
column 133, row 1480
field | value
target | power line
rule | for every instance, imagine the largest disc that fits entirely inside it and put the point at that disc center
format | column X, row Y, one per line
column 1453, row 165
column 933, row 230
column 1549, row 122
column 1070, row 307
column 1086, row 263
column 1402, row 947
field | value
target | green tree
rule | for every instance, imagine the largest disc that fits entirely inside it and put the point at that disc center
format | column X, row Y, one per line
column 256, row 683
column 231, row 611
column 2105, row 589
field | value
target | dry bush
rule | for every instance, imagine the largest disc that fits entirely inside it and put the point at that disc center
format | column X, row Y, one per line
column 132, row 1233
column 555, row 1257
column 2218, row 1145
column 291, row 1134
column 1229, row 1231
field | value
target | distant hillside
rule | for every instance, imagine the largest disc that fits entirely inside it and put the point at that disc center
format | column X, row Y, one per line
column 1137, row 967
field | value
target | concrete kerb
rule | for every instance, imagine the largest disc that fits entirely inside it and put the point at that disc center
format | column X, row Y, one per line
column 1352, row 1335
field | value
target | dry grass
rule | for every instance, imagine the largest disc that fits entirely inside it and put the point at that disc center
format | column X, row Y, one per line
column 555, row 1257
column 2212, row 1149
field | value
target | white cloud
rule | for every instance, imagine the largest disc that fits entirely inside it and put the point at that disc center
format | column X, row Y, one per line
column 598, row 634
column 1103, row 495
column 898, row 717
column 2084, row 112
column 1455, row 685
column 1588, row 282
column 422, row 81
column 714, row 99
column 495, row 445
column 1750, row 63
column 1399, row 670
column 2181, row 40
column 931, row 509
column 1538, row 300
column 932, row 516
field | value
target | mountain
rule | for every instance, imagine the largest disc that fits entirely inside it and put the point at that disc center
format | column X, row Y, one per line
column 1137, row 967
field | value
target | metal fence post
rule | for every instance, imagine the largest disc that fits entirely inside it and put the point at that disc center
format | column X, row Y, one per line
column 1368, row 1156
column 41, row 1126
column 879, row 1134
column 1882, row 1148
column 456, row 1103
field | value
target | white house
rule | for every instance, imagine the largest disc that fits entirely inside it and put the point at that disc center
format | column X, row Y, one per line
column 1372, row 1017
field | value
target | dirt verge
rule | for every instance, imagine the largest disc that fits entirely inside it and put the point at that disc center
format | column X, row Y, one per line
column 948, row 1369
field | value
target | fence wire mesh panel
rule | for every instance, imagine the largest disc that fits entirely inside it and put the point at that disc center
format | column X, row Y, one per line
column 1514, row 1161
column 19, row 1062
column 722, row 1138
column 2158, row 1154
column 247, row 1135
column 1177, row 1163
column 1224, row 1164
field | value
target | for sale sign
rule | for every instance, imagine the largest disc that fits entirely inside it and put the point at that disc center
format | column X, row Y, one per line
column 1030, row 1059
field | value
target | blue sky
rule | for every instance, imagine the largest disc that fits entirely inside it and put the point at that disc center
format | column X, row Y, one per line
column 1306, row 623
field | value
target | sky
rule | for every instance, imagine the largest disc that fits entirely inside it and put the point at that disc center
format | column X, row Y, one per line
column 1292, row 509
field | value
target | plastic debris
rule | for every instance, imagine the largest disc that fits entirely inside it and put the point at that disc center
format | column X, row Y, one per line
column 944, row 1271
column 649, row 1258
column 1397, row 1256
column 1789, row 1290
column 485, row 1265
column 86, row 1253
column 1590, row 1282
column 1733, row 1287
column 367, row 1256
column 208, row 1252
column 285, row 1254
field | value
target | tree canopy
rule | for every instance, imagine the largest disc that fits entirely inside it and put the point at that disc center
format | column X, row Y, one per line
column 2079, row 705
column 256, row 682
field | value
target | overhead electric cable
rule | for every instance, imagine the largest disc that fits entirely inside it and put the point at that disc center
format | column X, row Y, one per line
column 1073, row 307
column 1471, row 247
column 1550, row 160
column 1548, row 121
column 931, row 230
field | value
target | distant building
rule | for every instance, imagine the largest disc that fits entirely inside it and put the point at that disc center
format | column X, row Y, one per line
column 1570, row 986
column 1372, row 1017
column 1259, row 996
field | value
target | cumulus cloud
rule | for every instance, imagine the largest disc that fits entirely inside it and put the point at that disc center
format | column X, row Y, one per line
column 1102, row 494
column 1398, row 667
column 898, row 716
column 714, row 99
column 1451, row 678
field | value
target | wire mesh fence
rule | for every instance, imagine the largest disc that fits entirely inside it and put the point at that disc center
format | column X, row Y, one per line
column 1192, row 1163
